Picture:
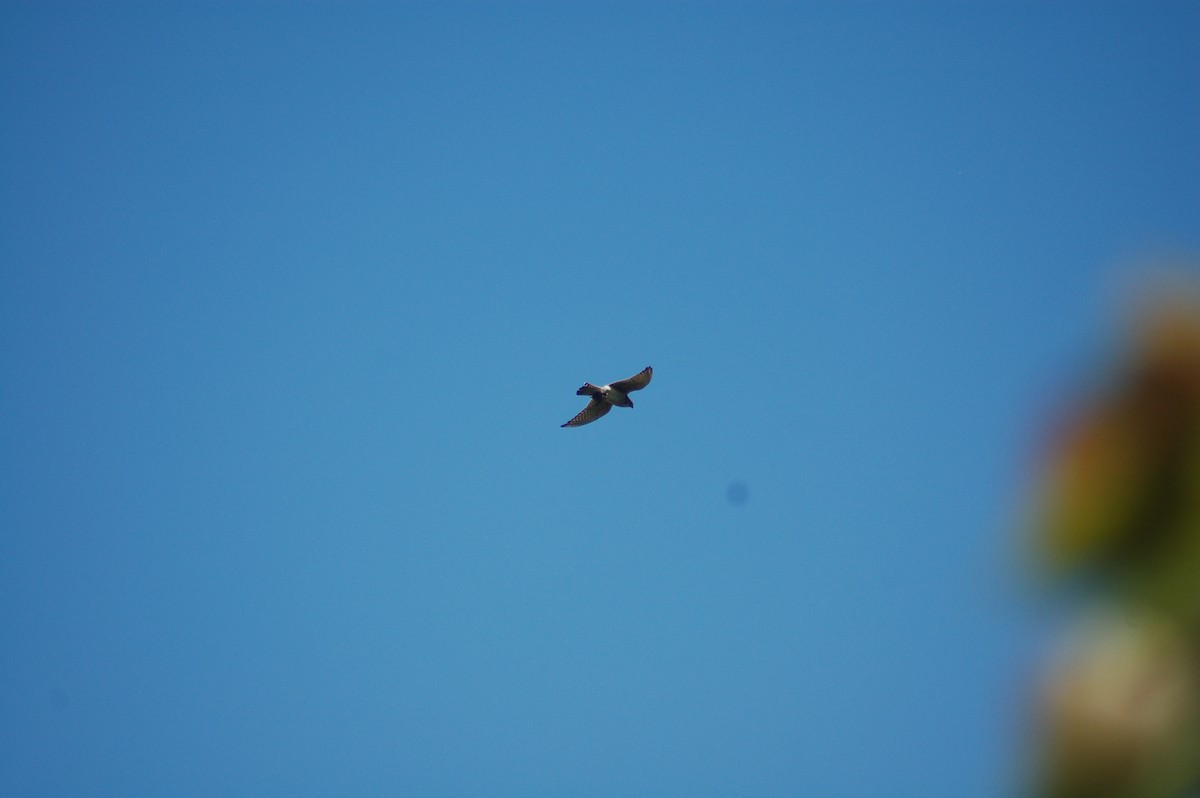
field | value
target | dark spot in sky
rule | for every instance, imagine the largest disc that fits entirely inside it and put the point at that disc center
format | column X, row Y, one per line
column 737, row 493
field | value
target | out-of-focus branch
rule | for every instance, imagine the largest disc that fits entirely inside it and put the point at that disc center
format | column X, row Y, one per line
column 1118, row 510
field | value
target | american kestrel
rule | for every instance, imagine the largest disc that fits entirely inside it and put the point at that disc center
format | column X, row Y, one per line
column 604, row 397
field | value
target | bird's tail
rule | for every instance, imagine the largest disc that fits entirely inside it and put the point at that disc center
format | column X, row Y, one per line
column 587, row 390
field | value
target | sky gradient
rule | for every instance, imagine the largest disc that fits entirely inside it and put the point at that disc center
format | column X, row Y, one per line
column 294, row 298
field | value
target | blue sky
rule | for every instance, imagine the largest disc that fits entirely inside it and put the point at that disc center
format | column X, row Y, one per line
column 293, row 300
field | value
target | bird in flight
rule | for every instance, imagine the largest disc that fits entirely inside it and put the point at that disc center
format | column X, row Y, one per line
column 605, row 397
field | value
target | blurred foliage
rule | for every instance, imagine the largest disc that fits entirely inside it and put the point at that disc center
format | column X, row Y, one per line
column 1118, row 511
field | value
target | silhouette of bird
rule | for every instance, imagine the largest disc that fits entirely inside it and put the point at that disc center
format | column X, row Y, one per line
column 605, row 397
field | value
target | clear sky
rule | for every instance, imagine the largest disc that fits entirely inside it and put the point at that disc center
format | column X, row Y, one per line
column 294, row 298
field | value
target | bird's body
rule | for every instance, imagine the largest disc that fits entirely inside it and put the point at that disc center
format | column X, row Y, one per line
column 605, row 392
column 606, row 397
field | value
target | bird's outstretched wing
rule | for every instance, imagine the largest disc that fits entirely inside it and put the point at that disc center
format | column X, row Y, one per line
column 593, row 411
column 635, row 383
